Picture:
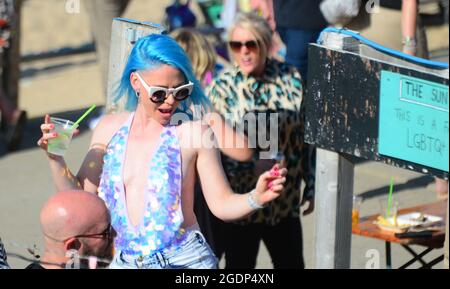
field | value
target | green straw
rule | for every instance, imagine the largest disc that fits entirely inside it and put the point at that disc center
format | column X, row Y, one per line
column 391, row 189
column 83, row 116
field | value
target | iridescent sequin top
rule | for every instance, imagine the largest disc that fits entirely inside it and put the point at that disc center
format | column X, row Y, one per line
column 160, row 226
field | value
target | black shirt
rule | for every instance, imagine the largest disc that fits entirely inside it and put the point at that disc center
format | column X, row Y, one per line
column 392, row 4
column 34, row 265
column 299, row 14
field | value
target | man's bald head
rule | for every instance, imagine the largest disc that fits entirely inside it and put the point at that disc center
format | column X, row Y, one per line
column 71, row 213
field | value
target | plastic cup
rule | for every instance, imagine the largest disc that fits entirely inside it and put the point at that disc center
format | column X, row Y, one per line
column 59, row 145
column 357, row 201
column 389, row 213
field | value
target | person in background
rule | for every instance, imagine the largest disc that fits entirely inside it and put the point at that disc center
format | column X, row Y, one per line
column 263, row 8
column 200, row 52
column 409, row 22
column 76, row 225
column 178, row 15
column 299, row 22
column 413, row 38
column 259, row 84
column 13, row 120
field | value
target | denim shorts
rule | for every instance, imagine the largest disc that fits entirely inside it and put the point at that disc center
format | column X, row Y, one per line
column 193, row 253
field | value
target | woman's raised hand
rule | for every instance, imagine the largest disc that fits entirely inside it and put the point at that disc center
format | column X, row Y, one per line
column 270, row 185
column 48, row 132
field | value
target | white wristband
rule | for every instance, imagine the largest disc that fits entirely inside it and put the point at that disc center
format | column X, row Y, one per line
column 409, row 42
column 252, row 202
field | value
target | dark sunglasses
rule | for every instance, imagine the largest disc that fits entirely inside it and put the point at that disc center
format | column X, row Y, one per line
column 106, row 234
column 159, row 94
column 251, row 45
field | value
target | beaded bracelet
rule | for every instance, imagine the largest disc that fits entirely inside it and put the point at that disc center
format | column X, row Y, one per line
column 409, row 42
column 252, row 202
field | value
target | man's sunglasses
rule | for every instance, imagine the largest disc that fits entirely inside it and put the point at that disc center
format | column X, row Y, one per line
column 105, row 234
column 159, row 94
column 236, row 46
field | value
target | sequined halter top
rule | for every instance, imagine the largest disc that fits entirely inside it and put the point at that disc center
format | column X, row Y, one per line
column 160, row 227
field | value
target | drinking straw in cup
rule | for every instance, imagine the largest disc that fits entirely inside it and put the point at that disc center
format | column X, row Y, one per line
column 391, row 189
column 83, row 116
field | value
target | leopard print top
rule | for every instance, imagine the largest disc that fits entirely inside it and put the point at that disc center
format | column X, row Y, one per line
column 280, row 91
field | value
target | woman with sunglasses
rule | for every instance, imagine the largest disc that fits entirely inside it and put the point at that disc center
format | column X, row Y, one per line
column 259, row 84
column 143, row 162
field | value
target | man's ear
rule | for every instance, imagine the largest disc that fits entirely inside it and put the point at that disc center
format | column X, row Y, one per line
column 72, row 244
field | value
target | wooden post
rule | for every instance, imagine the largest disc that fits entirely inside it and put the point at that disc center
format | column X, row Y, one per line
column 334, row 190
column 125, row 33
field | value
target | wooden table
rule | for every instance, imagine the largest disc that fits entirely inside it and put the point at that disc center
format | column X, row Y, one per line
column 367, row 228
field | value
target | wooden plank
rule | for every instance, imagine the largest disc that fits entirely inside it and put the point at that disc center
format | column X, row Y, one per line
column 333, row 199
column 334, row 191
column 342, row 105
column 372, row 53
column 125, row 32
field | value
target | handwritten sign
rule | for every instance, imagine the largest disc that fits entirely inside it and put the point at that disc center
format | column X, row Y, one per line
column 414, row 120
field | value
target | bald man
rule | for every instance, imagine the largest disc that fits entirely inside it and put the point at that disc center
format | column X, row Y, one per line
column 74, row 223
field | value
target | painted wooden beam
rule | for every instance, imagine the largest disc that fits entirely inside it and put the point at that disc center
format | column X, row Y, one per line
column 333, row 205
column 342, row 108
column 343, row 104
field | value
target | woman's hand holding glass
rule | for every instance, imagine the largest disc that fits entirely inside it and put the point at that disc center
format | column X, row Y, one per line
column 49, row 133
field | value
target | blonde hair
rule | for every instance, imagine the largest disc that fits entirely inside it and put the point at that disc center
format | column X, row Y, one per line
column 258, row 27
column 197, row 47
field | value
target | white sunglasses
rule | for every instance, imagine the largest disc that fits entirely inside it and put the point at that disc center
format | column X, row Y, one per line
column 159, row 94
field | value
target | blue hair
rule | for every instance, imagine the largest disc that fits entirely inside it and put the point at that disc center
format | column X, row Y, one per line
column 151, row 52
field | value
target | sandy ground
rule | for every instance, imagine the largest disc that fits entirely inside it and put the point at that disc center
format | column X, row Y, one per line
column 67, row 85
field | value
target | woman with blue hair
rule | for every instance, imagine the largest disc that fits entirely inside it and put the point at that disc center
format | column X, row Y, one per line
column 143, row 162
